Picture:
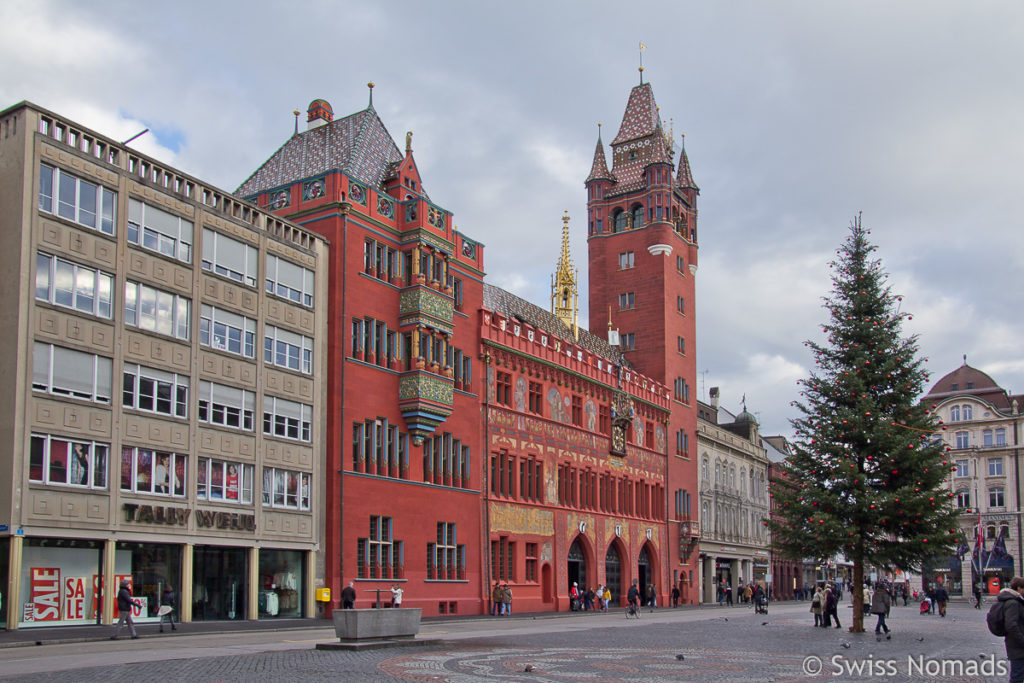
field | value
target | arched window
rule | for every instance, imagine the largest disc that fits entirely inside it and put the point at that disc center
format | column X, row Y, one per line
column 638, row 216
column 967, row 411
column 752, row 483
column 743, row 480
column 954, row 414
column 718, row 473
column 619, row 221
column 704, row 469
column 732, row 477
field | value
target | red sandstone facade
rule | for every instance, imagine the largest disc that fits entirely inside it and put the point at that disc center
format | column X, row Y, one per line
column 642, row 241
column 403, row 455
column 473, row 437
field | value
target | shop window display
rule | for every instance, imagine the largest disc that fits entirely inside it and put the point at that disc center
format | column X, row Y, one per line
column 281, row 583
column 61, row 582
column 153, row 566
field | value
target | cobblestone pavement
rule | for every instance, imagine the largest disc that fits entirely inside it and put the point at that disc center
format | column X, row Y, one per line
column 707, row 644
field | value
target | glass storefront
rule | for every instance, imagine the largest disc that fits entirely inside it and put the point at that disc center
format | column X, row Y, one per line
column 281, row 574
column 61, row 581
column 153, row 566
column 219, row 583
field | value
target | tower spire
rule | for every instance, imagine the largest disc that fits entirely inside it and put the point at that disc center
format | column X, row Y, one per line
column 564, row 291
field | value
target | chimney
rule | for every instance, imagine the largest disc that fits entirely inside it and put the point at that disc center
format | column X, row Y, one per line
column 713, row 391
column 318, row 114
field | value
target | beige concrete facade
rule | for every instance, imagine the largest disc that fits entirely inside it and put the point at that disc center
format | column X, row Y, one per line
column 733, row 471
column 161, row 407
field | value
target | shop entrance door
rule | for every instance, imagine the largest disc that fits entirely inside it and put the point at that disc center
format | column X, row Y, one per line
column 219, row 583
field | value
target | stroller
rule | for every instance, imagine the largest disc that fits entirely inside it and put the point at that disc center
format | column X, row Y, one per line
column 926, row 606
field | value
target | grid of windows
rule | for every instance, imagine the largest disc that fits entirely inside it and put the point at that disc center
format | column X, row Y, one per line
column 962, row 439
column 287, row 419
column 535, row 402
column 65, row 372
column 503, row 388
column 155, row 310
column 996, row 437
column 159, row 231
column 995, row 467
column 503, row 559
column 155, row 391
column 81, row 201
column 576, row 409
column 380, row 448
column 373, row 342
column 962, row 468
column 963, row 499
column 996, row 497
column 58, row 460
column 530, row 558
column 217, row 480
column 232, row 259
column 63, row 283
column 290, row 281
column 226, row 331
column 285, row 488
column 379, row 555
column 446, row 559
column 380, row 260
column 288, row 349
column 157, row 472
column 445, row 461
column 681, row 390
column 683, row 447
column 226, row 406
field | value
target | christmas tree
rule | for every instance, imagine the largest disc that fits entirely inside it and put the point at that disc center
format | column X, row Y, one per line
column 866, row 472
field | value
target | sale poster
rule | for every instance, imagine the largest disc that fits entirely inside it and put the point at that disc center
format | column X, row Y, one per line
column 77, row 600
column 45, row 593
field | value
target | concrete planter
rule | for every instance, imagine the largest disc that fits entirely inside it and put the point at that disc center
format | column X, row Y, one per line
column 354, row 625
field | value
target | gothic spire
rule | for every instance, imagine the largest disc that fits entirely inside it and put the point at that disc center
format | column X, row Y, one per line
column 564, row 291
column 599, row 169
column 684, row 178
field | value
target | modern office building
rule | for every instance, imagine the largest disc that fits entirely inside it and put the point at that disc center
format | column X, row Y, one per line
column 203, row 471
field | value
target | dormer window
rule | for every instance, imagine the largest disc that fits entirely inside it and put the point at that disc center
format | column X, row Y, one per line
column 632, row 155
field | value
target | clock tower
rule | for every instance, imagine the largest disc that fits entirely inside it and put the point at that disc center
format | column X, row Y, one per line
column 642, row 251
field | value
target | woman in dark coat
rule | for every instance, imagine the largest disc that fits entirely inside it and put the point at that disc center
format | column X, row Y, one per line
column 881, row 602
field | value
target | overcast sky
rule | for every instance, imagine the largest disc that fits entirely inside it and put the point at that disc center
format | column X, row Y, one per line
column 797, row 115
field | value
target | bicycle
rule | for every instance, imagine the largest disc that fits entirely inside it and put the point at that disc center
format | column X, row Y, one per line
column 633, row 611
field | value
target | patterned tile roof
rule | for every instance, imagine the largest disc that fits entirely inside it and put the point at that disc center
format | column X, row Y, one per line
column 973, row 382
column 684, row 178
column 358, row 144
column 599, row 169
column 641, row 116
column 500, row 301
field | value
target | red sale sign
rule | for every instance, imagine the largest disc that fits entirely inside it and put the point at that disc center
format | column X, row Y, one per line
column 76, row 599
column 45, row 592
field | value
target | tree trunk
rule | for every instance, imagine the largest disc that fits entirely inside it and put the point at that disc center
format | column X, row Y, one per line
column 858, row 595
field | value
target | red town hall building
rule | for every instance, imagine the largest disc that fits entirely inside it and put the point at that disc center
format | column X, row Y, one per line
column 473, row 437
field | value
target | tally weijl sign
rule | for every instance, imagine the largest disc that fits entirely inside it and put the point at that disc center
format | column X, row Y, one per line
column 208, row 519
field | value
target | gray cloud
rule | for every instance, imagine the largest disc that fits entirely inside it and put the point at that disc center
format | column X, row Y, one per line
column 797, row 115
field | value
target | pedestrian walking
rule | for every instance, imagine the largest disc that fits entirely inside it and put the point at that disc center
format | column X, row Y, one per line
column 652, row 596
column 124, row 609
column 978, row 587
column 832, row 606
column 728, row 595
column 348, row 596
column 574, row 597
column 881, row 602
column 675, row 596
column 816, row 609
column 507, row 599
column 1013, row 612
column 167, row 604
column 606, row 597
column 396, row 595
column 497, row 608
column 941, row 597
